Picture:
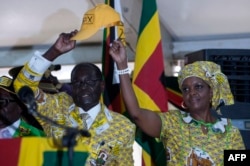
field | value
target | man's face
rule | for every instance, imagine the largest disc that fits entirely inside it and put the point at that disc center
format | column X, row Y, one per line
column 86, row 87
column 9, row 109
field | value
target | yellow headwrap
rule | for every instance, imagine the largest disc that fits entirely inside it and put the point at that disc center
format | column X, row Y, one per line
column 211, row 73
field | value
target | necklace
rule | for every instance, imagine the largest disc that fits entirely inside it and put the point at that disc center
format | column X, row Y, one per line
column 204, row 126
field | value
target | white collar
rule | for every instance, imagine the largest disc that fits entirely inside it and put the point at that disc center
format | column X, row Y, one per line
column 12, row 128
column 93, row 112
column 218, row 126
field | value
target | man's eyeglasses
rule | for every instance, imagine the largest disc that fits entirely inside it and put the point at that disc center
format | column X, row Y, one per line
column 5, row 102
column 85, row 82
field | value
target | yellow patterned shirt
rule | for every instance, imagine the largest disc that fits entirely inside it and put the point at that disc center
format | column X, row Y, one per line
column 186, row 144
column 112, row 134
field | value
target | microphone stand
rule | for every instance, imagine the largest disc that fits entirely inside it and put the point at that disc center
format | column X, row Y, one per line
column 69, row 139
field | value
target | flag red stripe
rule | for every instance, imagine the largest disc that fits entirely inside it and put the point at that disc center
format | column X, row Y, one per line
column 174, row 98
column 149, row 76
column 11, row 154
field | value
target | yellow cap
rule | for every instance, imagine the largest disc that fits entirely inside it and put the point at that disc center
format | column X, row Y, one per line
column 101, row 16
column 5, row 84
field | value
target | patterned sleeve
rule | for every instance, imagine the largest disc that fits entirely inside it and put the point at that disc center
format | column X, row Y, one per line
column 169, row 120
column 54, row 107
column 126, row 154
column 237, row 141
column 32, row 73
column 24, row 79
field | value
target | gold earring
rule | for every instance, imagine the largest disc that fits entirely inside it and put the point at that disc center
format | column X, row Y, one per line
column 183, row 105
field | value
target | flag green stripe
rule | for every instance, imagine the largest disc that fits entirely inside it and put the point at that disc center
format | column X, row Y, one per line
column 148, row 10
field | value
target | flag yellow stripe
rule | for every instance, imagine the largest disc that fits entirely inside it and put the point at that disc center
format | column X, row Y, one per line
column 147, row 158
column 33, row 148
column 146, row 46
column 141, row 95
column 30, row 147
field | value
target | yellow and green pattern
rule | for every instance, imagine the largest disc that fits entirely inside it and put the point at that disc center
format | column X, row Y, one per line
column 186, row 141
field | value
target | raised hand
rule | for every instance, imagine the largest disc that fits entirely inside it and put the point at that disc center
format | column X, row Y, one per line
column 62, row 45
column 118, row 53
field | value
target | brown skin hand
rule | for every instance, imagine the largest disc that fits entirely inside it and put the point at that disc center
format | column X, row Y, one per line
column 62, row 45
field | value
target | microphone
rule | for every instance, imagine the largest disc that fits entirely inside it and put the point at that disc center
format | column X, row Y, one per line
column 26, row 95
column 55, row 67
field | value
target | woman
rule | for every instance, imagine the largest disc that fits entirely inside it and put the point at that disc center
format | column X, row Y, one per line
column 193, row 137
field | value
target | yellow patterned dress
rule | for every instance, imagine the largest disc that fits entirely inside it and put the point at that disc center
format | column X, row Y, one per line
column 187, row 145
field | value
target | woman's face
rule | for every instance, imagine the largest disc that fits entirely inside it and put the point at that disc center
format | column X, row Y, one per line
column 197, row 94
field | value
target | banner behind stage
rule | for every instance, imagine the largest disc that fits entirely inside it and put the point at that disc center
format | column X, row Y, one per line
column 37, row 151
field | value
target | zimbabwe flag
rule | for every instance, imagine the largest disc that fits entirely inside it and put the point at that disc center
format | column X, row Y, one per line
column 173, row 92
column 148, row 78
column 37, row 151
column 112, row 96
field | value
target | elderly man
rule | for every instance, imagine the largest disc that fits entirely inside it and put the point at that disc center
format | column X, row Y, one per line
column 112, row 134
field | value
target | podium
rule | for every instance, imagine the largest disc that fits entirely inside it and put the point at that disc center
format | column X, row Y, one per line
column 38, row 151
